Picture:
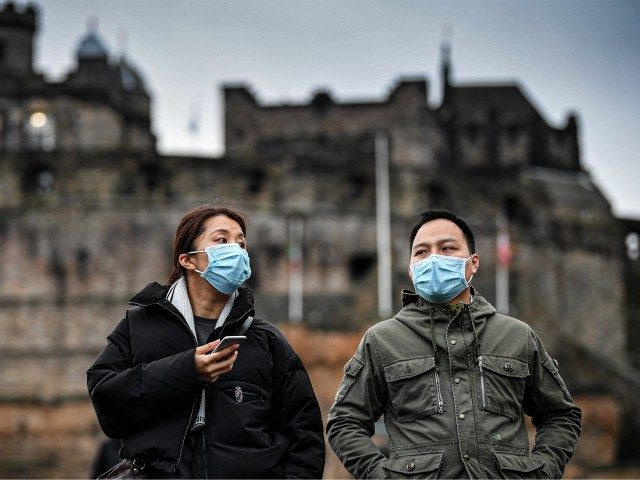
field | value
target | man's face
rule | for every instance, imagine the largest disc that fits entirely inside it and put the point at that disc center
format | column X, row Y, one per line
column 444, row 238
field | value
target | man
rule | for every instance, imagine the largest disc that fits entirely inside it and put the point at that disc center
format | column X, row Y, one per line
column 453, row 379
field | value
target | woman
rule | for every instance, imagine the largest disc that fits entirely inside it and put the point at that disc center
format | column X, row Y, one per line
column 247, row 411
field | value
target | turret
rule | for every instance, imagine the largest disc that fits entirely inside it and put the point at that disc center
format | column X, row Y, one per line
column 17, row 29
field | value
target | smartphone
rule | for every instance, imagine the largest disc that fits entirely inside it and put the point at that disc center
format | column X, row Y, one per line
column 228, row 341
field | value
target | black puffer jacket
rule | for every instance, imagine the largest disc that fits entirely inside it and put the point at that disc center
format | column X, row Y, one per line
column 145, row 390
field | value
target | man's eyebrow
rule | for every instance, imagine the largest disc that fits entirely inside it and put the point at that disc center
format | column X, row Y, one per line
column 439, row 242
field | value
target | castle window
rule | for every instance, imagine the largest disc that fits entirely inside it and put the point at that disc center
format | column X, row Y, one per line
column 255, row 181
column 436, row 195
column 633, row 245
column 517, row 212
column 360, row 266
column 40, row 131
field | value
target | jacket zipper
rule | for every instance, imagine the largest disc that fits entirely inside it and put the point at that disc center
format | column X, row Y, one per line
column 195, row 340
column 184, row 437
column 439, row 393
column 481, row 382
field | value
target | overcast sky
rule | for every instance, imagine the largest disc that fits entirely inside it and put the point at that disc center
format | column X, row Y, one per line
column 581, row 56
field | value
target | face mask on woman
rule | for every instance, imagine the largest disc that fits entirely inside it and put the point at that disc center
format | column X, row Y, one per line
column 439, row 278
column 228, row 266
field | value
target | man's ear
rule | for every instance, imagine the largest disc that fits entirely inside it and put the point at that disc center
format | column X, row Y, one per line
column 475, row 262
column 186, row 261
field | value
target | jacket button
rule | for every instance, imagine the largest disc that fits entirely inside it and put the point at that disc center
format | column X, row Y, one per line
column 410, row 466
column 456, row 380
column 466, row 456
column 461, row 416
column 453, row 342
column 508, row 367
column 347, row 367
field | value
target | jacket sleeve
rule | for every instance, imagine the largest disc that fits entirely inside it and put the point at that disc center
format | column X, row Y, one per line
column 359, row 404
column 554, row 415
column 297, row 418
column 128, row 397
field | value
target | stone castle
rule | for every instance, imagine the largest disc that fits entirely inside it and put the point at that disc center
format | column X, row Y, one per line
column 88, row 208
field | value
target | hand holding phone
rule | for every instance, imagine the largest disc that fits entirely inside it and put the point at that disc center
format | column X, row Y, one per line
column 211, row 363
column 228, row 341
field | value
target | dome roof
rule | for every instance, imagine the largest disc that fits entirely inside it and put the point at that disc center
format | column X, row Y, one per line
column 131, row 79
column 91, row 47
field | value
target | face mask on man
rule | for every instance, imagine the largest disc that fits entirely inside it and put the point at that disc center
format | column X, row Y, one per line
column 228, row 266
column 439, row 278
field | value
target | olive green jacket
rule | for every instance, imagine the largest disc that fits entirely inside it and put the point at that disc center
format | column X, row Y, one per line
column 457, row 413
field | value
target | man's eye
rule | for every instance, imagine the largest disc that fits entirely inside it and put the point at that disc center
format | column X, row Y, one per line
column 221, row 240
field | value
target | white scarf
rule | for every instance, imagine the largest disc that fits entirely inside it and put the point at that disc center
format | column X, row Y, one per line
column 178, row 295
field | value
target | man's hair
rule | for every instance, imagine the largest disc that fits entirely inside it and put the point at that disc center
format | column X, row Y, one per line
column 429, row 215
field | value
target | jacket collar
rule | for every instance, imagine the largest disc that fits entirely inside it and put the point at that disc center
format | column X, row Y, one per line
column 479, row 307
column 156, row 294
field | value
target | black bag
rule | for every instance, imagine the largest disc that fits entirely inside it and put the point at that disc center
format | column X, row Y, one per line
column 133, row 469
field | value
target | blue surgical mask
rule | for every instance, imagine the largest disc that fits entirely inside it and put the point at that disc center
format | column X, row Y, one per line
column 439, row 278
column 228, row 266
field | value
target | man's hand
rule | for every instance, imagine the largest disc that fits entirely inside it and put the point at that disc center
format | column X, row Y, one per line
column 209, row 366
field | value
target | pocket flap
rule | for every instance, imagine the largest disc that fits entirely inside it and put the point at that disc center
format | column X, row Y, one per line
column 518, row 463
column 507, row 366
column 353, row 367
column 549, row 363
column 425, row 462
column 407, row 368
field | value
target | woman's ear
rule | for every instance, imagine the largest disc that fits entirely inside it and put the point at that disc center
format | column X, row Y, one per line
column 186, row 261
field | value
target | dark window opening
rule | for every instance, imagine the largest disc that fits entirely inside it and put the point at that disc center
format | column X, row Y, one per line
column 516, row 212
column 513, row 132
column 436, row 195
column 360, row 266
column 82, row 262
column 355, row 186
column 255, row 182
column 38, row 179
column 473, row 132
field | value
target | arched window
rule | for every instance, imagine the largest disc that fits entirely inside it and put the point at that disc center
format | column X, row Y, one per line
column 632, row 242
column 40, row 132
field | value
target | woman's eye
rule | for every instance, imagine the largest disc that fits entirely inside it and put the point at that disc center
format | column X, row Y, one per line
column 221, row 240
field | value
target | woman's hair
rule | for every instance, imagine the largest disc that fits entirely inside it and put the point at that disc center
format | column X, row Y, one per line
column 192, row 226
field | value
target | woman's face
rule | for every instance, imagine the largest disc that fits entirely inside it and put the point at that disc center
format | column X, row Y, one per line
column 217, row 230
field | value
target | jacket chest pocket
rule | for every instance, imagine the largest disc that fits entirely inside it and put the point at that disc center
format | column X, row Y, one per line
column 415, row 388
column 502, row 384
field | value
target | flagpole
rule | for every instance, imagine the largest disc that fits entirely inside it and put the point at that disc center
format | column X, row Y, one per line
column 383, row 225
column 296, row 238
column 503, row 257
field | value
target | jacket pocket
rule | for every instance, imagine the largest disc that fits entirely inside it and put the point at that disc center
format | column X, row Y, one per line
column 509, row 465
column 425, row 465
column 351, row 371
column 415, row 388
column 501, row 384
